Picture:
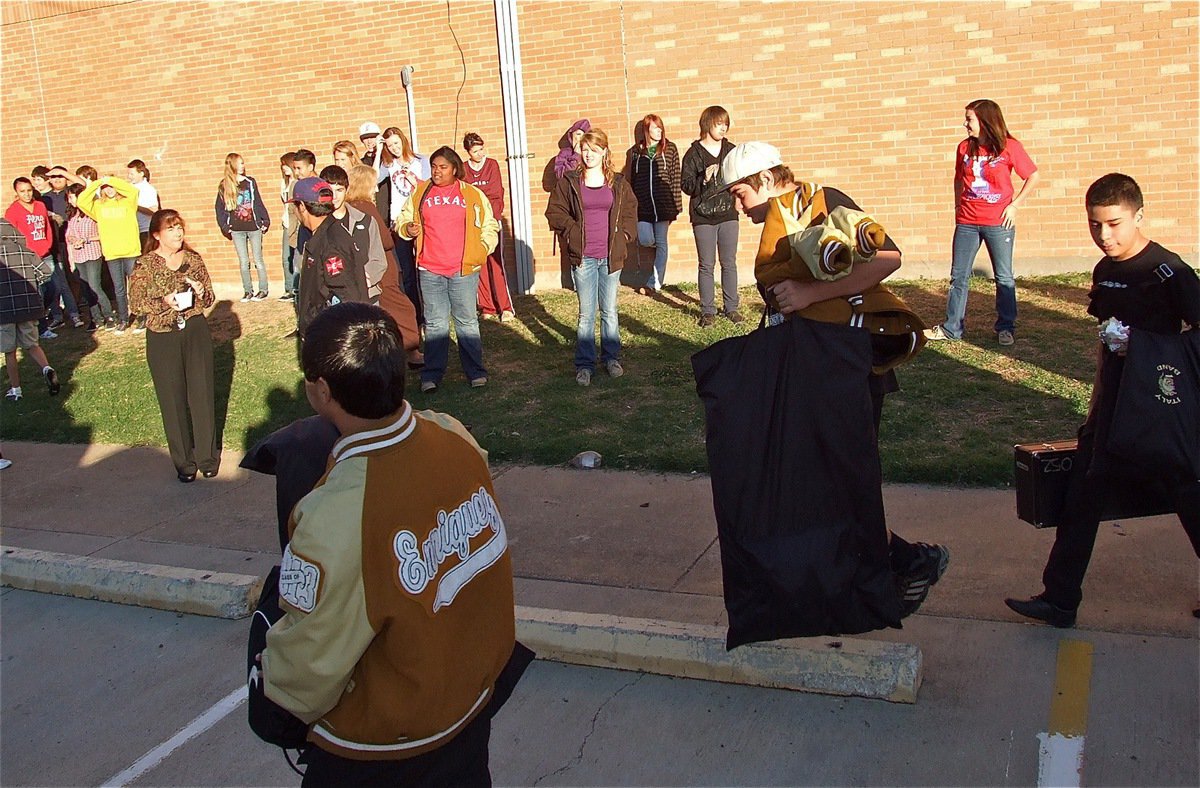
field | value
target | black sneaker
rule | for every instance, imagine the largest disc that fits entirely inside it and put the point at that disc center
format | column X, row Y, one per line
column 261, row 295
column 246, row 297
column 707, row 321
column 56, row 322
column 51, row 380
column 1039, row 609
column 925, row 570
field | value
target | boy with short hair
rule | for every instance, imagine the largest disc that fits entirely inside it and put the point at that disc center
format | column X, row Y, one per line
column 398, row 599
column 20, row 307
column 1146, row 287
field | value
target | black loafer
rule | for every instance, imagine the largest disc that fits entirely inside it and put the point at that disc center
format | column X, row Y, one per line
column 208, row 474
column 186, row 478
column 1041, row 610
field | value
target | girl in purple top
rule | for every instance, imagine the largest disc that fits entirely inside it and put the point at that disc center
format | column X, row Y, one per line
column 595, row 214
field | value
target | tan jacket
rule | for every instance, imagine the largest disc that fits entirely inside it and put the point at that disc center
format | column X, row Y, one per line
column 483, row 229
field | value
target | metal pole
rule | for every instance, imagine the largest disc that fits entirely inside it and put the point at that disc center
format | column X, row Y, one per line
column 406, row 80
column 508, row 44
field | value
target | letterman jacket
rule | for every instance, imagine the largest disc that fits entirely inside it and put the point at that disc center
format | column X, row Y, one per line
column 896, row 331
column 483, row 229
column 397, row 599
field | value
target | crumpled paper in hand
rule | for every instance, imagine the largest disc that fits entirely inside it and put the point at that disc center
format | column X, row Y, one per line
column 1115, row 335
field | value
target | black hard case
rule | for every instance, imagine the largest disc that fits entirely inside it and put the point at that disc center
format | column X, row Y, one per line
column 1042, row 471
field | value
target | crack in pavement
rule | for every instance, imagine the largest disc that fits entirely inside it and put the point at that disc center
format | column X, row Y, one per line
column 595, row 717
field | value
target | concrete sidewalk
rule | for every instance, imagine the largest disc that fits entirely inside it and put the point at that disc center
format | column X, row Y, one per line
column 614, row 542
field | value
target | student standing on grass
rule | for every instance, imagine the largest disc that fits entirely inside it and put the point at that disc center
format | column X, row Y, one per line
column 31, row 217
column 483, row 173
column 242, row 218
column 985, row 211
column 333, row 267
column 361, row 195
column 652, row 166
column 401, row 168
column 172, row 288
column 112, row 202
column 148, row 202
column 21, row 272
column 82, row 240
column 451, row 224
column 291, row 226
column 713, row 215
column 1148, row 288
column 594, row 212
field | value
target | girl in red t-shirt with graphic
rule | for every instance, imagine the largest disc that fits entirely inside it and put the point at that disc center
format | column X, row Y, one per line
column 985, row 211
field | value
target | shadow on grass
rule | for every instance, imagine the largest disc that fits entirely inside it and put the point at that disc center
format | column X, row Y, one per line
column 226, row 329
column 283, row 407
column 37, row 416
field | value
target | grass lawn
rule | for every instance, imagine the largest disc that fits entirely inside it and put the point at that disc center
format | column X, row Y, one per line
column 961, row 408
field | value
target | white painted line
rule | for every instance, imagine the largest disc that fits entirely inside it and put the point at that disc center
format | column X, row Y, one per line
column 1060, row 760
column 215, row 713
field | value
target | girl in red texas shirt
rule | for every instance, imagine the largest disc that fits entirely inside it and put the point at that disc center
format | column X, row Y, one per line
column 985, row 211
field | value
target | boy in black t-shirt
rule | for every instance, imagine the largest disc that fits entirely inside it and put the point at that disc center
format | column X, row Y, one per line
column 1146, row 287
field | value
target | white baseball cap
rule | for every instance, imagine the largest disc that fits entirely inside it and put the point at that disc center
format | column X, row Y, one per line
column 368, row 129
column 748, row 159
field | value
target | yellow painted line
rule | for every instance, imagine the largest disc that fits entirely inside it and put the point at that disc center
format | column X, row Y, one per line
column 1072, row 681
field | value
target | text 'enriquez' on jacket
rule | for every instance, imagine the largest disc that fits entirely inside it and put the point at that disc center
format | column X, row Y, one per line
column 451, row 536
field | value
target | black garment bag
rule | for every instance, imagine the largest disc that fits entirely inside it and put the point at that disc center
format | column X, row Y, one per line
column 796, row 482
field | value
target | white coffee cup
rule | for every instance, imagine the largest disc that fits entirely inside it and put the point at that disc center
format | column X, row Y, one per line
column 184, row 300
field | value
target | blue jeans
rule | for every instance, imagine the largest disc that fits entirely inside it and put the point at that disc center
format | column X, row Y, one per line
column 594, row 284
column 446, row 297
column 57, row 287
column 90, row 272
column 288, row 258
column 654, row 234
column 967, row 239
column 245, row 242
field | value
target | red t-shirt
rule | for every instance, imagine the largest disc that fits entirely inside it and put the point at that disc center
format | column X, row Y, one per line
column 444, row 213
column 985, row 183
column 34, row 226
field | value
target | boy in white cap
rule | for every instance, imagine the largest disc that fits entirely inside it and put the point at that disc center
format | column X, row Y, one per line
column 768, row 194
column 369, row 134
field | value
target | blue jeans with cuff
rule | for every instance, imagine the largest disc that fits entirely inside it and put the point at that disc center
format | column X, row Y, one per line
column 247, row 242
column 449, row 297
column 596, row 286
column 654, row 235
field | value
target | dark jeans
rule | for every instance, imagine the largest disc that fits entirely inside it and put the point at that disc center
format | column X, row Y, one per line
column 463, row 761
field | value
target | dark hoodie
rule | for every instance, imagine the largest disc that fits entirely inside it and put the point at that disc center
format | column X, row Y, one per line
column 715, row 203
column 567, row 159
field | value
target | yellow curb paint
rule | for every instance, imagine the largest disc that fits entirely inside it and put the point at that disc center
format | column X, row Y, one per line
column 1069, row 707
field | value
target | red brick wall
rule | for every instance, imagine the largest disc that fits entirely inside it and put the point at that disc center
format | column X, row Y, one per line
column 866, row 96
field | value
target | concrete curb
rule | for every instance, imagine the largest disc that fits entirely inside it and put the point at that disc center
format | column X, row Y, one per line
column 218, row 594
column 831, row 666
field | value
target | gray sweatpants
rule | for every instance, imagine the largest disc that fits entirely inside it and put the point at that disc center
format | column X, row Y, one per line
column 713, row 240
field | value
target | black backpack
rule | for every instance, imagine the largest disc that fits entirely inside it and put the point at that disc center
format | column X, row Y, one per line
column 270, row 722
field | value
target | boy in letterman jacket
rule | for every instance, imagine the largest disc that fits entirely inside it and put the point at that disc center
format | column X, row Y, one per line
column 398, row 599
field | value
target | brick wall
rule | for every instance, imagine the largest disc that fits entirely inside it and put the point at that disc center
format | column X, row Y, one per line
column 867, row 96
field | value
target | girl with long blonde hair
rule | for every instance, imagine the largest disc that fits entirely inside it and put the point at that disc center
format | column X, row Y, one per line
column 594, row 211
column 243, row 219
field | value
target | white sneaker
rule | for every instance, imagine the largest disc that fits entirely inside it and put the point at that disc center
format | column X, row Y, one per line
column 4, row 463
column 14, row 394
column 48, row 334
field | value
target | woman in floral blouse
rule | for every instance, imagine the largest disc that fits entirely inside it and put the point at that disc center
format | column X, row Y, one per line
column 171, row 287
